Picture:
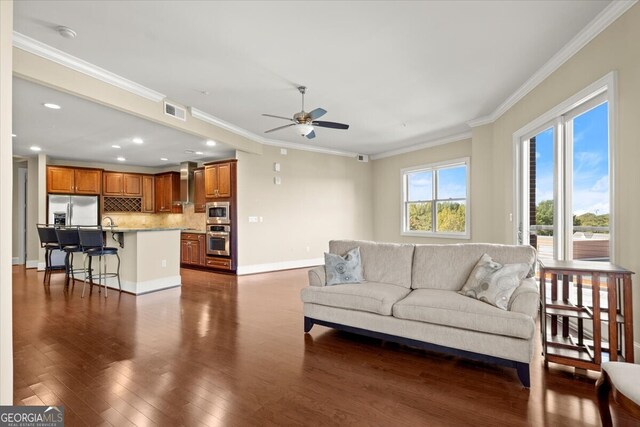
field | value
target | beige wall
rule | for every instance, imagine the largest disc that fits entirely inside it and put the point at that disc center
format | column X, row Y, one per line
column 33, row 241
column 616, row 48
column 6, row 190
column 322, row 197
column 387, row 194
column 15, row 246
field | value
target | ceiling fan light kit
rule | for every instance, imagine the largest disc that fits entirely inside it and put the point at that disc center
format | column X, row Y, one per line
column 303, row 123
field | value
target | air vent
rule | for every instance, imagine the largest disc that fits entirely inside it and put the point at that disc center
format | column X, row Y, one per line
column 362, row 158
column 175, row 111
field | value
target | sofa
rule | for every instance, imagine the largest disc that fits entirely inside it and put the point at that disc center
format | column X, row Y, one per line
column 409, row 295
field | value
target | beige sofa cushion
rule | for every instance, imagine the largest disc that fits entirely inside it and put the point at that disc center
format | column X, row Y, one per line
column 369, row 296
column 381, row 262
column 449, row 308
column 448, row 266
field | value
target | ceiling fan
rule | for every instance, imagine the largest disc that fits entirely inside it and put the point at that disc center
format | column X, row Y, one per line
column 304, row 122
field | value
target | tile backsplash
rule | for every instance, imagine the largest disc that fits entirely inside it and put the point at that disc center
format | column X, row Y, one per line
column 187, row 219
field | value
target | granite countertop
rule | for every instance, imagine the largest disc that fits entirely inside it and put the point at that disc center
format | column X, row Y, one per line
column 193, row 231
column 135, row 230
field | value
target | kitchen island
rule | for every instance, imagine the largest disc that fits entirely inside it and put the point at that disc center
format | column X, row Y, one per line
column 150, row 259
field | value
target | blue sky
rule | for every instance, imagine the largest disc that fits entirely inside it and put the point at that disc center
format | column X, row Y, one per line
column 452, row 184
column 590, row 163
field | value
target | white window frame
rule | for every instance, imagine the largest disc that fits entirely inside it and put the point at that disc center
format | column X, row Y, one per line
column 434, row 167
column 603, row 88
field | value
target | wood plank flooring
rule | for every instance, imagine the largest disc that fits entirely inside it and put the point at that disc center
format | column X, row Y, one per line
column 227, row 351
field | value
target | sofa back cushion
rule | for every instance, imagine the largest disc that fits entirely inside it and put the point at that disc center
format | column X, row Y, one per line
column 448, row 266
column 381, row 262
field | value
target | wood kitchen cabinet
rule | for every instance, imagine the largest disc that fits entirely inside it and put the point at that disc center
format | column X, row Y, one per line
column 192, row 249
column 73, row 180
column 122, row 184
column 217, row 180
column 148, row 192
column 167, row 192
column 199, row 200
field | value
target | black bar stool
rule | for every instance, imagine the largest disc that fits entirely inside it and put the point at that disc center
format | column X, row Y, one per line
column 69, row 241
column 49, row 242
column 92, row 243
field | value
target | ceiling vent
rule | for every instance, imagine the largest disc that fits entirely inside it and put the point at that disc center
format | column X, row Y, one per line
column 175, row 111
column 362, row 158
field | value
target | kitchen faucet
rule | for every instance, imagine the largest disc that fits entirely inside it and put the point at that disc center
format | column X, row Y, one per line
column 111, row 224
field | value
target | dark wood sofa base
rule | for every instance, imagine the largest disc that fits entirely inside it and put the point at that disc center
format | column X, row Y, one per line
column 521, row 368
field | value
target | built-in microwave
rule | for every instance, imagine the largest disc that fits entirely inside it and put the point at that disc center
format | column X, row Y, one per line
column 218, row 212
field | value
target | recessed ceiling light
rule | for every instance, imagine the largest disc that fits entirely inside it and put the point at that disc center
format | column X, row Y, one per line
column 199, row 153
column 164, row 159
column 66, row 32
column 13, row 135
column 211, row 143
column 137, row 140
column 52, row 106
column 115, row 146
column 35, row 148
column 121, row 159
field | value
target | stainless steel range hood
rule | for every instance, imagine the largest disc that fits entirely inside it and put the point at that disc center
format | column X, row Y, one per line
column 186, row 182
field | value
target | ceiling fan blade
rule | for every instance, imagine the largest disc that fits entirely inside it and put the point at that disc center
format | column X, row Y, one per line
column 311, row 135
column 279, row 127
column 278, row 117
column 317, row 113
column 332, row 125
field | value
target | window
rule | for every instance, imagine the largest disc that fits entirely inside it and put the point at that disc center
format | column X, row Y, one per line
column 436, row 200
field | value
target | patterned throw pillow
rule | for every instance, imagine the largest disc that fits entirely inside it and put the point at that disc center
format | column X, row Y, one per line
column 343, row 269
column 494, row 283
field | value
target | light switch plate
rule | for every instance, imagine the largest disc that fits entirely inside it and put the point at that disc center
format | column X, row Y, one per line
column 277, row 180
column 276, row 167
column 253, row 219
column 283, row 151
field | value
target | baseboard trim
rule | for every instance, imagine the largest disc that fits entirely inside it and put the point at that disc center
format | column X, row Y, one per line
column 277, row 266
column 33, row 263
column 15, row 260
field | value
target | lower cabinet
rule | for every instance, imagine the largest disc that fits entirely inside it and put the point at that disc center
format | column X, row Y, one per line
column 192, row 249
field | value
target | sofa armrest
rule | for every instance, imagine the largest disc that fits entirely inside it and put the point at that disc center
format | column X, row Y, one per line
column 526, row 298
column 317, row 276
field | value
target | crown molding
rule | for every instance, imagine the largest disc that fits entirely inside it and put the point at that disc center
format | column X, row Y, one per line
column 605, row 18
column 38, row 48
column 206, row 117
column 428, row 144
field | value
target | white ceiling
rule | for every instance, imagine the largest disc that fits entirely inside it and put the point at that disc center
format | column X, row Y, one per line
column 400, row 73
column 84, row 130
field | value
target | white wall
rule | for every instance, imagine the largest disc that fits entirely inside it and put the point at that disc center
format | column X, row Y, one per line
column 322, row 197
column 6, row 212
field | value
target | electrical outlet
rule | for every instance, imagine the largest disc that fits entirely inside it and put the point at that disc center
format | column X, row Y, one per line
column 164, row 263
column 308, row 249
column 283, row 151
column 276, row 167
column 277, row 180
column 261, row 219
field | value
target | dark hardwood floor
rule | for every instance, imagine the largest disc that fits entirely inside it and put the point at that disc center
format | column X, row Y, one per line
column 231, row 351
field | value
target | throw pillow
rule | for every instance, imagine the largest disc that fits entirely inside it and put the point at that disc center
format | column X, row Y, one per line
column 494, row 283
column 343, row 269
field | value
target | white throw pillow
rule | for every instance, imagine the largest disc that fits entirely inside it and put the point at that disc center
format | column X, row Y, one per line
column 343, row 269
column 494, row 283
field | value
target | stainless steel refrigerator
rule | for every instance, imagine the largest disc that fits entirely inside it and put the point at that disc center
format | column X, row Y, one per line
column 71, row 210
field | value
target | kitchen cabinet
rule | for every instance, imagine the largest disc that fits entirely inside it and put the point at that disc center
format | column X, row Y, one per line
column 148, row 191
column 67, row 180
column 219, row 263
column 192, row 249
column 199, row 200
column 122, row 184
column 167, row 192
column 217, row 180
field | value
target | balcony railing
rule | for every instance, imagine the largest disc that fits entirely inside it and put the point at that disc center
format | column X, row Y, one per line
column 589, row 243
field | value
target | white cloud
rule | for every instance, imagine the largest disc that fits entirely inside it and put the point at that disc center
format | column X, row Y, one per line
column 602, row 184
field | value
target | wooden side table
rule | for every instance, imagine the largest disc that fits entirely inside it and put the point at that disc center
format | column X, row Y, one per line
column 570, row 346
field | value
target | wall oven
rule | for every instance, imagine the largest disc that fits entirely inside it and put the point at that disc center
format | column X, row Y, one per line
column 218, row 212
column 219, row 240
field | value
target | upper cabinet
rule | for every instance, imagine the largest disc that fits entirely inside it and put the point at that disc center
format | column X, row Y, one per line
column 217, row 180
column 73, row 180
column 199, row 200
column 148, row 192
column 122, row 184
column 167, row 192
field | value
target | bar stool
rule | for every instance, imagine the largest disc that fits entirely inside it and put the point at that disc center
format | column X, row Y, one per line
column 92, row 243
column 49, row 242
column 69, row 241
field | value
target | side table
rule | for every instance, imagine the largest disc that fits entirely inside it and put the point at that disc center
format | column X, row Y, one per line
column 575, row 305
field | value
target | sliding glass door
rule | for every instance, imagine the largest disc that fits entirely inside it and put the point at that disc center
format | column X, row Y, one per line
column 564, row 190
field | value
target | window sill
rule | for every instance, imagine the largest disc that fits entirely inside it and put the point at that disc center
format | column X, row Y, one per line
column 465, row 236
